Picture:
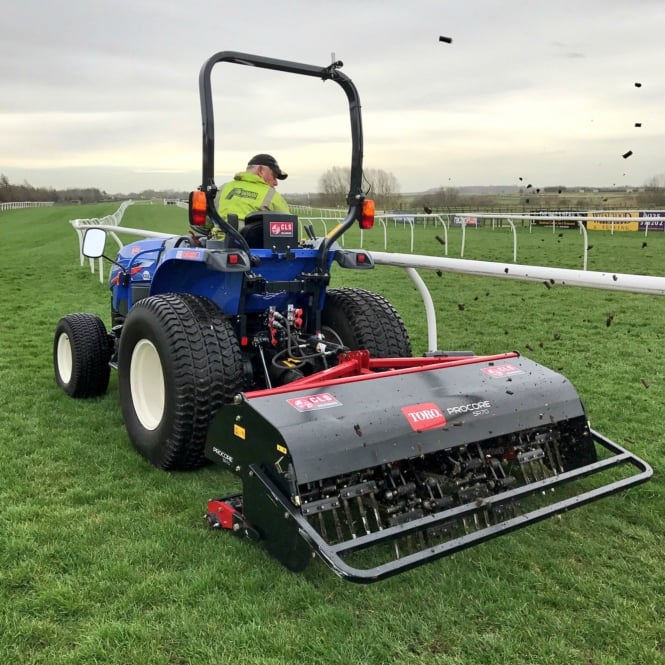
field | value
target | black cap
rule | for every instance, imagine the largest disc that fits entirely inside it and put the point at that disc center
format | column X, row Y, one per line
column 270, row 162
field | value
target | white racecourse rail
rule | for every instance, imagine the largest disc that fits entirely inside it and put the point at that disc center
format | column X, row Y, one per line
column 611, row 281
column 109, row 223
column 17, row 205
column 464, row 219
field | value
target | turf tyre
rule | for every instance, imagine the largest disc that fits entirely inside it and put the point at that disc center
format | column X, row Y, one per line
column 81, row 354
column 365, row 320
column 179, row 360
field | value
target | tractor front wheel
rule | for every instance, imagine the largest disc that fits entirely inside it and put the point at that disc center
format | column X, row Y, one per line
column 179, row 360
column 81, row 354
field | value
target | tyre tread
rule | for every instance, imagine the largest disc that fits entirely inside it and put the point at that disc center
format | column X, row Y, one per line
column 205, row 357
column 374, row 322
column 91, row 353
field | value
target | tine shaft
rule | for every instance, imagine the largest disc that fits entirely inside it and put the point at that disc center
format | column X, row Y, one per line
column 322, row 525
column 375, row 509
column 338, row 526
column 347, row 512
column 465, row 525
column 550, row 457
column 525, row 474
column 557, row 452
column 533, row 469
column 363, row 514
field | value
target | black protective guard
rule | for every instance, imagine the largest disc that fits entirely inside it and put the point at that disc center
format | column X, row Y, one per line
column 332, row 554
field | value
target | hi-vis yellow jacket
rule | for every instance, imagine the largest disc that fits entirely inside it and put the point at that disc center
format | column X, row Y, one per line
column 248, row 193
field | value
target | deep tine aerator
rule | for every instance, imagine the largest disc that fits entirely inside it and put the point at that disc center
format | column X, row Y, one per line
column 406, row 462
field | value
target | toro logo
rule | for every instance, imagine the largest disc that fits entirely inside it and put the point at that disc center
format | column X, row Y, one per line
column 281, row 229
column 313, row 402
column 424, row 416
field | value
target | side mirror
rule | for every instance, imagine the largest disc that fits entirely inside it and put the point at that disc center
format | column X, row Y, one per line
column 93, row 243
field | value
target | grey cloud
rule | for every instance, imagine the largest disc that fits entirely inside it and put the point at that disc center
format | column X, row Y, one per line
column 81, row 78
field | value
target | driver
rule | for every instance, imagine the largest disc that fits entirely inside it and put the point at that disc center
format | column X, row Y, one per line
column 253, row 190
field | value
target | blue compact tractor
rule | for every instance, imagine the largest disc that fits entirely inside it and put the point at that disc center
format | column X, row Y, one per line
column 236, row 351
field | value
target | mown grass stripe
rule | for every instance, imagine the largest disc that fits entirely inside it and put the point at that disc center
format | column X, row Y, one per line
column 105, row 559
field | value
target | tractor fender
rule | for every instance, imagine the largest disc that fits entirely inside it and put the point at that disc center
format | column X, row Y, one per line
column 201, row 272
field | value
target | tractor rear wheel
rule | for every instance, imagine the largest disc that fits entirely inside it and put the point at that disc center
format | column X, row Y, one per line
column 179, row 360
column 365, row 320
column 81, row 354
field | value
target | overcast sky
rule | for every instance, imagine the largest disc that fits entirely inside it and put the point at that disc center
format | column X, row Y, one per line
column 104, row 93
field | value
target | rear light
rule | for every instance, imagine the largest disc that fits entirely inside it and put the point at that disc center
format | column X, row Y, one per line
column 367, row 214
column 361, row 258
column 198, row 208
column 234, row 259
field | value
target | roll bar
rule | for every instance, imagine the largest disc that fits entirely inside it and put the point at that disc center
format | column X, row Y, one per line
column 330, row 72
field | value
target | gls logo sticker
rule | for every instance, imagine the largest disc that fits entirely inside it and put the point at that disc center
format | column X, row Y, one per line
column 281, row 229
column 314, row 402
column 499, row 371
column 424, row 416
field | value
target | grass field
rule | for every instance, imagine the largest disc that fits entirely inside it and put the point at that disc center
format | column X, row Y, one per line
column 105, row 559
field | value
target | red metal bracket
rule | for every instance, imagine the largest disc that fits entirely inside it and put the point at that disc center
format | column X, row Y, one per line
column 220, row 514
column 359, row 366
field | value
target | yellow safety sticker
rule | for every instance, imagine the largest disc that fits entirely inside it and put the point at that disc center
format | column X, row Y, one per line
column 239, row 431
column 282, row 449
column 291, row 362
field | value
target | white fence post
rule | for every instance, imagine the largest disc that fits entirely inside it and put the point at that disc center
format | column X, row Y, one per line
column 108, row 222
column 17, row 205
column 564, row 276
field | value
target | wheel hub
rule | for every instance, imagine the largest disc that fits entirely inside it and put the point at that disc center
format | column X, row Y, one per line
column 146, row 380
column 64, row 357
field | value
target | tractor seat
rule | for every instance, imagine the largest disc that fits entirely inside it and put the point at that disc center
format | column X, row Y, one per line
column 276, row 230
column 252, row 232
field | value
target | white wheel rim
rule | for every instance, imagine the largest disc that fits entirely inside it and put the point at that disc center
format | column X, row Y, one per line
column 64, row 358
column 146, row 382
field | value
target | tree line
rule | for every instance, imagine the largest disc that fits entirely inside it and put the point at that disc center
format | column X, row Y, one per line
column 26, row 192
column 379, row 185
column 384, row 188
column 333, row 188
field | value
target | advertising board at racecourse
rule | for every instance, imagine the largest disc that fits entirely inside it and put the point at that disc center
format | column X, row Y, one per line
column 631, row 220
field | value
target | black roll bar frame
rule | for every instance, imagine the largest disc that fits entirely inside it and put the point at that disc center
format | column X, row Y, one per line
column 330, row 72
